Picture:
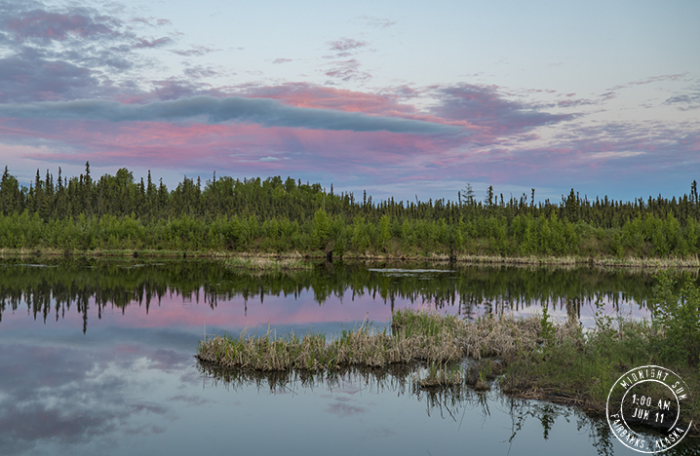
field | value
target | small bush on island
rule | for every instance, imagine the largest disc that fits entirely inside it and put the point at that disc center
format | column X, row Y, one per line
column 677, row 321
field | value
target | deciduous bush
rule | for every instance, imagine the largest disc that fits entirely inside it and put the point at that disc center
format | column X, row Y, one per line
column 677, row 317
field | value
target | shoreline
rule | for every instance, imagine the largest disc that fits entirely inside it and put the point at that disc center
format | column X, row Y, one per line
column 438, row 258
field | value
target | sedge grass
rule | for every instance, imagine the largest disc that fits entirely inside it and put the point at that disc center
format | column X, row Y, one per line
column 438, row 376
column 415, row 336
column 359, row 347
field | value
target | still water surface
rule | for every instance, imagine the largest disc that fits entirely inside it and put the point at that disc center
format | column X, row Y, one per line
column 96, row 357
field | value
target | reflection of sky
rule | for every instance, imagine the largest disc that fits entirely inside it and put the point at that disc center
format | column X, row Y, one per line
column 279, row 312
column 61, row 397
column 130, row 386
column 143, row 397
column 589, row 312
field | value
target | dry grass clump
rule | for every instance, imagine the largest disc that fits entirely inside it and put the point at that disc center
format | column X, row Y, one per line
column 499, row 336
column 416, row 336
column 481, row 385
column 502, row 336
column 359, row 347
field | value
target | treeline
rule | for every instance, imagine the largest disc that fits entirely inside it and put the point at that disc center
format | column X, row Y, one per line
column 276, row 215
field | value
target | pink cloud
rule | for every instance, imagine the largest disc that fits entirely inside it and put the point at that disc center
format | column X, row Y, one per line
column 498, row 147
column 226, row 148
column 312, row 96
column 320, row 97
column 254, row 149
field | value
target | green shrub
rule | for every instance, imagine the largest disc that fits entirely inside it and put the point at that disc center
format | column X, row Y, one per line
column 677, row 317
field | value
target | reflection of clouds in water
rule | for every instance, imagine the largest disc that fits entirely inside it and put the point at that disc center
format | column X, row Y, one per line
column 344, row 387
column 343, row 401
column 343, row 408
column 65, row 396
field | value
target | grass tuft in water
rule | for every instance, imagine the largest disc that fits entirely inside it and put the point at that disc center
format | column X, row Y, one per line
column 439, row 375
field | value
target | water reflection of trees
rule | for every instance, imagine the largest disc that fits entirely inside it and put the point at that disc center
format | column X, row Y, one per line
column 445, row 403
column 59, row 284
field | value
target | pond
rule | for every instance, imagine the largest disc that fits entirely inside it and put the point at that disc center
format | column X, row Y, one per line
column 97, row 357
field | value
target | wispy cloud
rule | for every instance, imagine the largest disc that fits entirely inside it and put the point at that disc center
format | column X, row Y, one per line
column 344, row 68
column 152, row 21
column 347, row 70
column 142, row 43
column 346, row 44
column 674, row 78
column 685, row 101
column 199, row 72
column 378, row 22
column 194, row 51
column 660, row 78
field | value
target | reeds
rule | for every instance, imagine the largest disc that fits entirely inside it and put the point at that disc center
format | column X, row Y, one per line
column 415, row 336
column 359, row 347
column 439, row 375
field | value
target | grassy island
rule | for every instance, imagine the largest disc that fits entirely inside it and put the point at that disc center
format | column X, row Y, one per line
column 529, row 358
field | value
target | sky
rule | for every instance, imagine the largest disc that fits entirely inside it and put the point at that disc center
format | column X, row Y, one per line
column 403, row 99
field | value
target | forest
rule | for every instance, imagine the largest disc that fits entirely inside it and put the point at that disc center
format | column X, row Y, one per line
column 223, row 214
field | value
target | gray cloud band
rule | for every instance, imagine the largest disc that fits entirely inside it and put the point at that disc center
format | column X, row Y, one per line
column 263, row 111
